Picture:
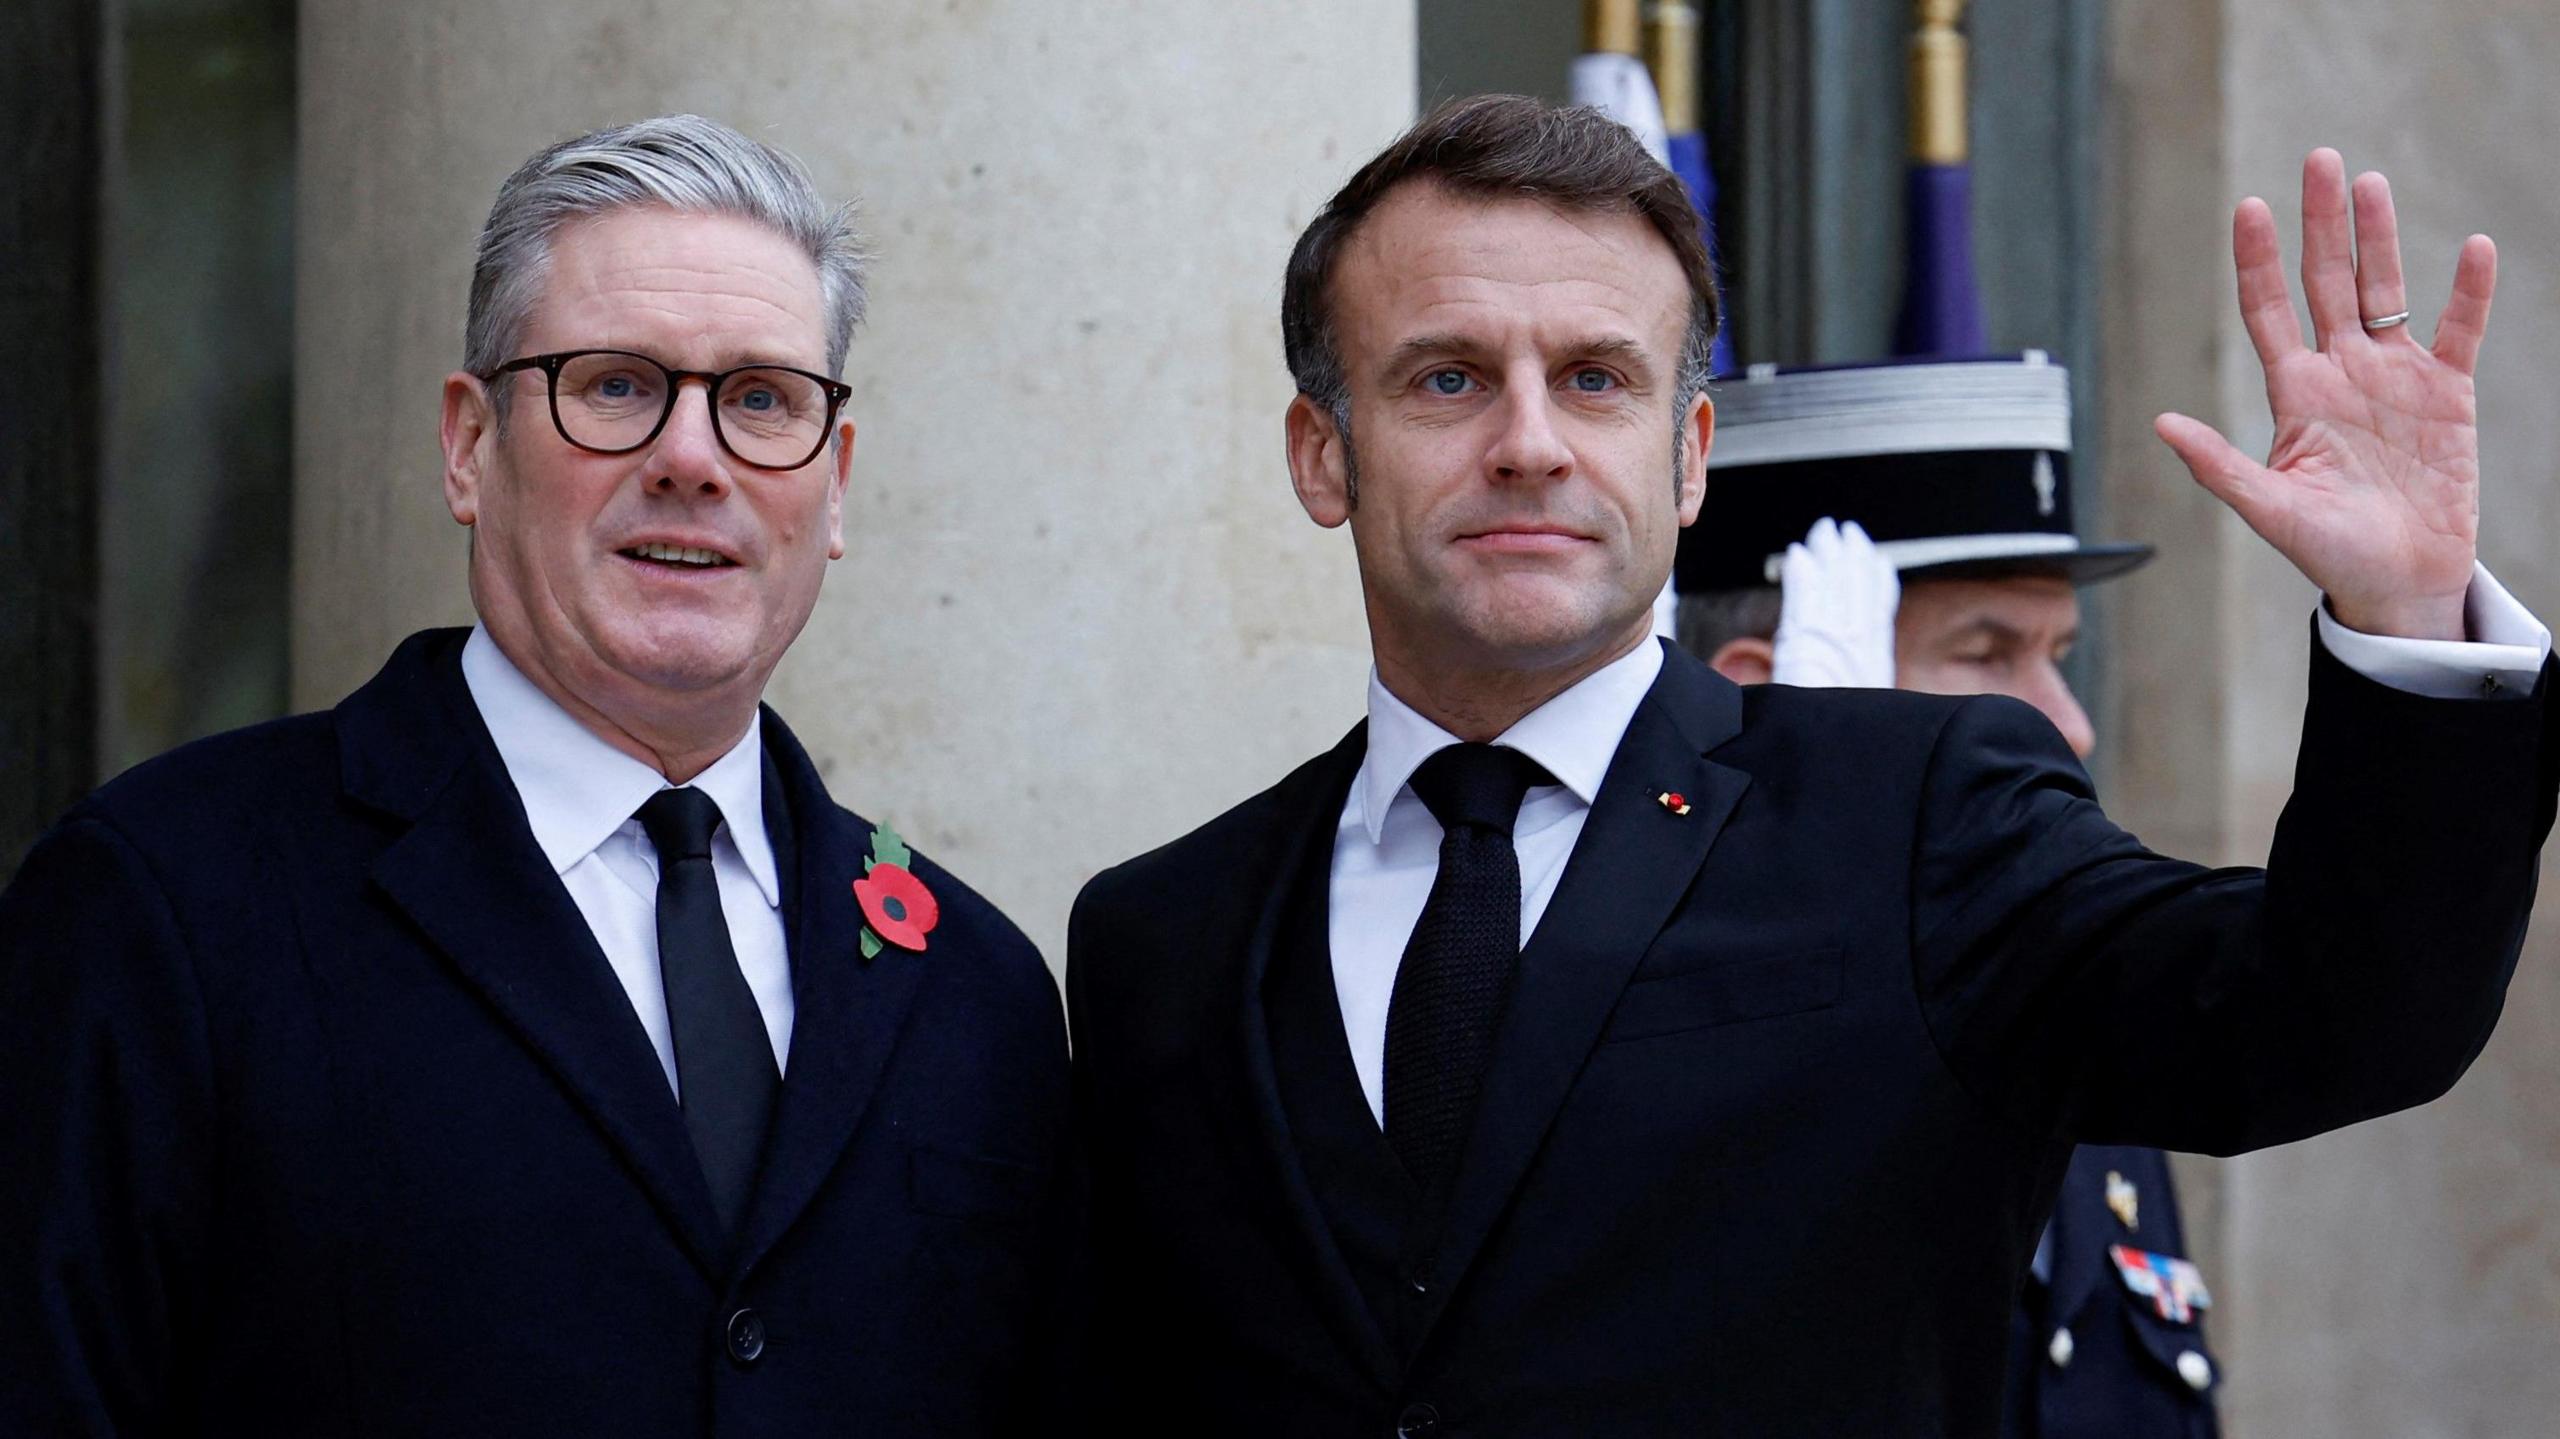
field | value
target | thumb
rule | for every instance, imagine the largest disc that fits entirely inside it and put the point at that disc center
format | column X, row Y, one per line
column 2216, row 463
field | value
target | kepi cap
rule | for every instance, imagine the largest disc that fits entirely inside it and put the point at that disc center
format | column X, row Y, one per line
column 1955, row 467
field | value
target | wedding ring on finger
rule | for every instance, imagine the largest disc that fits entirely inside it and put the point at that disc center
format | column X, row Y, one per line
column 2384, row 322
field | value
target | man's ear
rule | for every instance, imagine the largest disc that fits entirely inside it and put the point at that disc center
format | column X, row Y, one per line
column 1699, row 428
column 470, row 427
column 839, row 460
column 1319, row 463
column 1745, row 661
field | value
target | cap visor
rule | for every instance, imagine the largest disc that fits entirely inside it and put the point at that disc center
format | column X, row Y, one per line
column 2084, row 566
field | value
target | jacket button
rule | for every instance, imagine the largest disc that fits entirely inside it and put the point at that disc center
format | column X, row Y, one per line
column 746, row 1337
column 2061, row 1349
column 2196, row 1370
column 1417, row 1421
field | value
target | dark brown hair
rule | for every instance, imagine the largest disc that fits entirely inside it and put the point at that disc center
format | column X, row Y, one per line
column 1497, row 146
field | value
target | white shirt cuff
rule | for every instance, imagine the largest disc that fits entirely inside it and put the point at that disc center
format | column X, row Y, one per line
column 2503, row 656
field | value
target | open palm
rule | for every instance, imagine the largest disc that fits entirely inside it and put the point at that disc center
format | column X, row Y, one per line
column 2372, row 486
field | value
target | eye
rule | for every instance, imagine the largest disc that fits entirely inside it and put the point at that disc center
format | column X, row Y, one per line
column 614, row 387
column 760, row 400
column 1591, row 380
column 1446, row 382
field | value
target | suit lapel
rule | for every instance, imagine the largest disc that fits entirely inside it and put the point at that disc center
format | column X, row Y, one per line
column 1629, row 869
column 1250, row 1086
column 470, row 876
column 847, row 1010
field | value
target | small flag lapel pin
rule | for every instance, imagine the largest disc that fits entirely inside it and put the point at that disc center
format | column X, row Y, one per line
column 1672, row 800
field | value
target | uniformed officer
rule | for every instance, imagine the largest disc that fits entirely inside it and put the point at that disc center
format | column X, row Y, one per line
column 1910, row 524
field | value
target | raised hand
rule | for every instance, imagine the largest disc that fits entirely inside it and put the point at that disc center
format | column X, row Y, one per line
column 2372, row 487
column 1835, row 620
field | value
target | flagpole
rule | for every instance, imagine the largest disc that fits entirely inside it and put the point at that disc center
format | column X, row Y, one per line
column 1941, row 305
column 1671, row 53
column 1609, row 74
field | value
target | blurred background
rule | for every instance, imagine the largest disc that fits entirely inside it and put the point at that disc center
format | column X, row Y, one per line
column 1081, row 611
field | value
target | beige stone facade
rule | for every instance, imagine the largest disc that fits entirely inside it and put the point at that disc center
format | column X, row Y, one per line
column 2399, row 1280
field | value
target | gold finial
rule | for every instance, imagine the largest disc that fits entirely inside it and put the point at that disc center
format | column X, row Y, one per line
column 1671, row 52
column 1938, row 134
column 1612, row 27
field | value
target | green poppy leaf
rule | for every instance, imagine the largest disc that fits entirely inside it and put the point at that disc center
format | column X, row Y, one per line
column 887, row 848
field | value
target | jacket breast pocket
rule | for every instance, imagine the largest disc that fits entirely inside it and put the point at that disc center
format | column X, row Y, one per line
column 2164, row 1301
column 956, row 1185
column 2178, row 1359
column 1759, row 987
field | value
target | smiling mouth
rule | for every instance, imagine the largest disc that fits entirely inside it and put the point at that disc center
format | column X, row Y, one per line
column 677, row 556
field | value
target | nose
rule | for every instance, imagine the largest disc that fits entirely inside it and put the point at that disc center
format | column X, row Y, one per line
column 686, row 458
column 2052, row 694
column 1528, row 447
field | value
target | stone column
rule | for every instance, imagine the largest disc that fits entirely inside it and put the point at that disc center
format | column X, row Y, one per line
column 1080, row 611
column 2400, row 1279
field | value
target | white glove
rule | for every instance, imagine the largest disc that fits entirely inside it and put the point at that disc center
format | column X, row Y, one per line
column 1835, row 627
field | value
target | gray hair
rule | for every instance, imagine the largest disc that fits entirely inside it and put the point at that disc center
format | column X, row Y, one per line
column 678, row 162
column 1709, row 620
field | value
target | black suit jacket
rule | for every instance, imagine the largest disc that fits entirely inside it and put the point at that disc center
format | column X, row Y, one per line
column 1785, row 1083
column 321, row 1113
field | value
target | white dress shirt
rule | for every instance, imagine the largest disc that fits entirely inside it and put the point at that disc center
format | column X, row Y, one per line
column 582, row 797
column 1386, row 848
column 2503, row 656
column 1386, row 851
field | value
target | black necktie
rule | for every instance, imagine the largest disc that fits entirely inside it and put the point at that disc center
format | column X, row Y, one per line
column 1456, row 975
column 724, row 1059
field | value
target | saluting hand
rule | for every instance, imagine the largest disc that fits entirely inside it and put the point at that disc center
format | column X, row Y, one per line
column 2372, row 487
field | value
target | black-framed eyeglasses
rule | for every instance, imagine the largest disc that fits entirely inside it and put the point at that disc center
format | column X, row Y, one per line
column 611, row 402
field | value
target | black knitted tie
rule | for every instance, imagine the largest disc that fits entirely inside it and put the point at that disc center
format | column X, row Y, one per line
column 1456, row 975
column 724, row 1060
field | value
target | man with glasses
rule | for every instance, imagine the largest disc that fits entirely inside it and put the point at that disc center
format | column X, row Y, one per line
column 530, row 1045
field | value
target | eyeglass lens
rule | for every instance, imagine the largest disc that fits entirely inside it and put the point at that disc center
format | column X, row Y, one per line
column 610, row 401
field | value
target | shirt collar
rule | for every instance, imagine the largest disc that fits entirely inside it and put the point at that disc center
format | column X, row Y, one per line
column 577, row 789
column 1574, row 735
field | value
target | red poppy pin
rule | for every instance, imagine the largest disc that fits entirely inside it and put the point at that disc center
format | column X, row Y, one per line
column 896, row 907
